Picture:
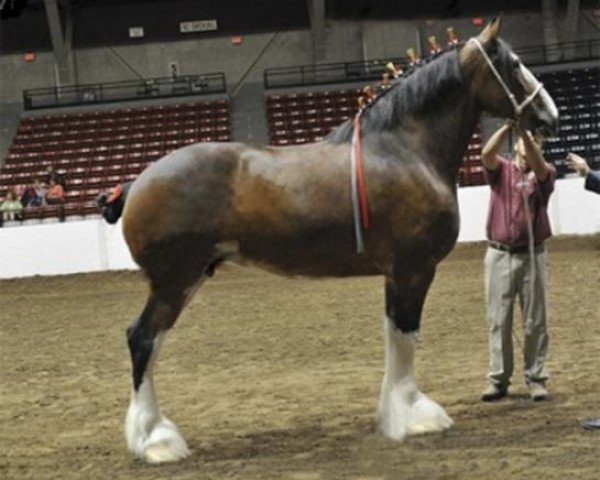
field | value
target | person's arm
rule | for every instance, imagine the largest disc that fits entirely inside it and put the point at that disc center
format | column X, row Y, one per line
column 533, row 155
column 592, row 181
column 489, row 153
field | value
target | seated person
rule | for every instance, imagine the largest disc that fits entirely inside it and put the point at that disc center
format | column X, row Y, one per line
column 34, row 194
column 58, row 176
column 11, row 208
column 56, row 194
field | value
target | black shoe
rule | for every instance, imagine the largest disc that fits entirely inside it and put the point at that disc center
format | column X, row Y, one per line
column 494, row 392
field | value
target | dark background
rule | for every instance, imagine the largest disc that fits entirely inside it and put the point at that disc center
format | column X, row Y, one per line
column 107, row 22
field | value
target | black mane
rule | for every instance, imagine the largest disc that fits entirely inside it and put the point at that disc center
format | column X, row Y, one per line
column 417, row 90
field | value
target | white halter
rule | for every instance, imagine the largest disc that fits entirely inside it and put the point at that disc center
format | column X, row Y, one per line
column 518, row 108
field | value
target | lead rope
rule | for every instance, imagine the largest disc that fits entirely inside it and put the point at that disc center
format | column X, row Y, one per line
column 358, row 187
column 531, row 245
column 532, row 263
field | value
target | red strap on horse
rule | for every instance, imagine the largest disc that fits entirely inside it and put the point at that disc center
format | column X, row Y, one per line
column 360, row 175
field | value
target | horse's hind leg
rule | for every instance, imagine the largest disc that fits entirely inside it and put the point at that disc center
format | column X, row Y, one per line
column 150, row 435
column 403, row 409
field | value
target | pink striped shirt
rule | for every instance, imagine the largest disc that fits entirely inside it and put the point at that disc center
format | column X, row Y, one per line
column 507, row 221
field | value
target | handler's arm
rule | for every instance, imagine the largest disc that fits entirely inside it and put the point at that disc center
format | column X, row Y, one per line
column 489, row 154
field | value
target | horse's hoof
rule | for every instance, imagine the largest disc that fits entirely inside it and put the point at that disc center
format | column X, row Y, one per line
column 154, row 440
column 427, row 416
column 165, row 444
column 399, row 418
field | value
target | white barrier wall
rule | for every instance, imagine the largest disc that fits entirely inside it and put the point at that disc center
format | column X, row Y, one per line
column 93, row 245
column 572, row 211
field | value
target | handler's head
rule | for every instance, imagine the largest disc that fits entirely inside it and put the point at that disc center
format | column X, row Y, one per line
column 521, row 154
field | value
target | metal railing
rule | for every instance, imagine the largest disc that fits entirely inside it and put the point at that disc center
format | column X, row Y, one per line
column 162, row 87
column 328, row 73
column 350, row 72
column 559, row 52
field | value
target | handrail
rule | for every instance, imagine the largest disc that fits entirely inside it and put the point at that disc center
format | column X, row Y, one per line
column 350, row 72
column 151, row 88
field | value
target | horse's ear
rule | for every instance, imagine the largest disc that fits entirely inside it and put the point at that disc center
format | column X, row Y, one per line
column 491, row 31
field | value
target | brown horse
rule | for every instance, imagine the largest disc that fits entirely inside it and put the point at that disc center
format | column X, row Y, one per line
column 288, row 210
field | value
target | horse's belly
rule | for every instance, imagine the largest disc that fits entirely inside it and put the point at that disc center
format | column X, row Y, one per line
column 293, row 256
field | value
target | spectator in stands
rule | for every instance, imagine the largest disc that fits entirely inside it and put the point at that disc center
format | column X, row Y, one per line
column 27, row 195
column 56, row 176
column 56, row 193
column 34, row 194
column 10, row 208
column 508, row 267
column 592, row 178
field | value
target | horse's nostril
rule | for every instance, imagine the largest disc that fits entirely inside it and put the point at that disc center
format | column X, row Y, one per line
column 545, row 124
column 548, row 129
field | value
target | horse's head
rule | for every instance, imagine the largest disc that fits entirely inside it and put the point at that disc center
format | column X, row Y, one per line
column 502, row 85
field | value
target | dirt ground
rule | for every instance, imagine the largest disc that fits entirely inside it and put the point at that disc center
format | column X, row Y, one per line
column 275, row 378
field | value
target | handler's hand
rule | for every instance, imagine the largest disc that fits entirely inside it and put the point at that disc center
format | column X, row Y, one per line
column 578, row 164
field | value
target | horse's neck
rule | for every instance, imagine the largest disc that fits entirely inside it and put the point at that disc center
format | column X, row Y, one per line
column 445, row 134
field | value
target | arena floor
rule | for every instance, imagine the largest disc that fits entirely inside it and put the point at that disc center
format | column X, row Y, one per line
column 274, row 378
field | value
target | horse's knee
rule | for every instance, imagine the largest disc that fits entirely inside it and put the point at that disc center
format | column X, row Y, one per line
column 404, row 298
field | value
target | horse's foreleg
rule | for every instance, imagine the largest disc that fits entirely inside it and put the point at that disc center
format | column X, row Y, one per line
column 403, row 409
column 150, row 435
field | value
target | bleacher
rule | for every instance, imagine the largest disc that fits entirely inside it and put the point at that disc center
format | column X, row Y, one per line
column 298, row 118
column 577, row 97
column 101, row 148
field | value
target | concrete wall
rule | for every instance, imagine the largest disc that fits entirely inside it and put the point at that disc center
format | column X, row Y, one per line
column 17, row 75
column 93, row 245
column 10, row 113
column 197, row 56
column 109, row 64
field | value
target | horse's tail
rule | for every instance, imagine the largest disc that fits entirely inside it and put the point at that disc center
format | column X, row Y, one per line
column 112, row 205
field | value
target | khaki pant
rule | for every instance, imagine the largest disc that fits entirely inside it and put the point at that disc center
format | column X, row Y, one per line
column 507, row 277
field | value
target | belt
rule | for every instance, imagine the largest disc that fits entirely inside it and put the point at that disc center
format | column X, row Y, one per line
column 515, row 249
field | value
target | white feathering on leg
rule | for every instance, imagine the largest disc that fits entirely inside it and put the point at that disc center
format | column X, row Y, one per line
column 150, row 435
column 403, row 409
